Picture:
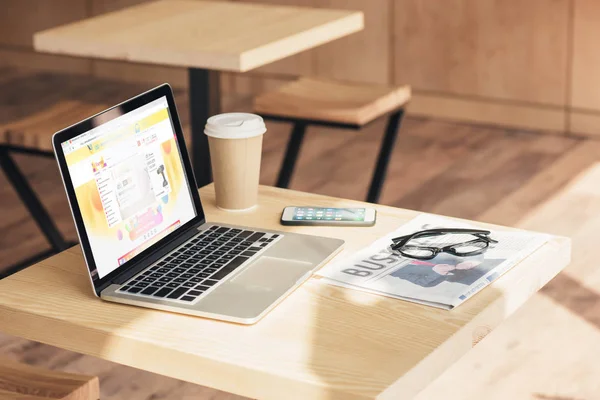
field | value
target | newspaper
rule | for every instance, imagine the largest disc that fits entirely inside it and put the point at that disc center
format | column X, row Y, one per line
column 445, row 281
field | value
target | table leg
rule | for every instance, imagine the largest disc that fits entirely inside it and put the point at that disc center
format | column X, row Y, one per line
column 205, row 101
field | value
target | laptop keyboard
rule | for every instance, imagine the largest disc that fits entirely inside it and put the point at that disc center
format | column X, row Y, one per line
column 199, row 264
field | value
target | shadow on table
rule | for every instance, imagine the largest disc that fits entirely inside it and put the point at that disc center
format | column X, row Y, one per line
column 365, row 346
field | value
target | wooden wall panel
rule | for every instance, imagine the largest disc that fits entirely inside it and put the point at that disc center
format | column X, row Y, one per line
column 104, row 6
column 141, row 73
column 585, row 77
column 20, row 19
column 521, row 116
column 499, row 49
column 363, row 56
column 586, row 124
column 27, row 59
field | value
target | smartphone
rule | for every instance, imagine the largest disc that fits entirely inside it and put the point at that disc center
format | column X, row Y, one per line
column 328, row 216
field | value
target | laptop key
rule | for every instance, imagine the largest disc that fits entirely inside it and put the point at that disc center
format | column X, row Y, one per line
column 194, row 292
column 248, row 253
column 256, row 236
column 177, row 293
column 203, row 275
column 173, row 285
column 172, row 275
column 189, row 284
column 209, row 282
column 162, row 292
column 245, row 234
column 222, row 230
column 134, row 290
column 210, row 270
column 149, row 290
column 186, row 276
column 202, row 287
column 142, row 284
column 196, row 280
column 164, row 279
column 227, row 256
column 159, row 284
column 227, row 269
column 188, row 298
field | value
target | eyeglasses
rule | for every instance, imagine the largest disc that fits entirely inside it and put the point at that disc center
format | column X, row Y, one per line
column 473, row 247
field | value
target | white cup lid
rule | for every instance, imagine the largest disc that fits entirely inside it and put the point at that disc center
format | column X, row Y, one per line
column 235, row 126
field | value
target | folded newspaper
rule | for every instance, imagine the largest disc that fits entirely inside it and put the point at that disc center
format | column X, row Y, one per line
column 445, row 281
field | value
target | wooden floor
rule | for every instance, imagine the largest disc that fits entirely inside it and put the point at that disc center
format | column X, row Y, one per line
column 474, row 172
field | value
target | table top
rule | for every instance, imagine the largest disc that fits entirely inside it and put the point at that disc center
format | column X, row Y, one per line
column 321, row 342
column 217, row 35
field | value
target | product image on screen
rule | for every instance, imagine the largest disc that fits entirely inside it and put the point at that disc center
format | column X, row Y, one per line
column 329, row 214
column 129, row 184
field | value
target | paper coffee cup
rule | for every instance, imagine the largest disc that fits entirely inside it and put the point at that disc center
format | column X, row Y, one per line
column 235, row 142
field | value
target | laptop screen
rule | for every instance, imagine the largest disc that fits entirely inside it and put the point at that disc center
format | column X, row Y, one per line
column 129, row 183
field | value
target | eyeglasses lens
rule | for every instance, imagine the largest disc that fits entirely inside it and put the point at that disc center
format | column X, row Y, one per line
column 416, row 252
column 468, row 248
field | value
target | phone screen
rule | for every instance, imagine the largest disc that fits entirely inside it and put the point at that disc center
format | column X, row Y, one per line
column 329, row 214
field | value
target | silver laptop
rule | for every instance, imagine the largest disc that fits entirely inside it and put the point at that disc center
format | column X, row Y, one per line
column 143, row 231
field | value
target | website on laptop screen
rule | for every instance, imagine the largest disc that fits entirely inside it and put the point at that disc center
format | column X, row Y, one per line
column 129, row 183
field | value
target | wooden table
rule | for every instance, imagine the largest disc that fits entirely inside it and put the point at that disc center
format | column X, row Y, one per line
column 322, row 342
column 204, row 36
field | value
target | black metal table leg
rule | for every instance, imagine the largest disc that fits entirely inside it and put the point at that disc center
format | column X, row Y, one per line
column 385, row 153
column 291, row 155
column 31, row 201
column 205, row 101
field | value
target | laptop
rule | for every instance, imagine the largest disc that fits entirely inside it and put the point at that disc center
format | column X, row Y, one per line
column 144, row 234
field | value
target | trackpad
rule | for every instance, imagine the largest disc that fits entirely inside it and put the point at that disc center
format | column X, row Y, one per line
column 271, row 271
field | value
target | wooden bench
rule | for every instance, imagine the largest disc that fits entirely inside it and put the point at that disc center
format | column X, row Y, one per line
column 33, row 106
column 309, row 101
column 24, row 382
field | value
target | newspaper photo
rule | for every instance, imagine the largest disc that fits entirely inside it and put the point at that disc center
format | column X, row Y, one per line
column 444, row 281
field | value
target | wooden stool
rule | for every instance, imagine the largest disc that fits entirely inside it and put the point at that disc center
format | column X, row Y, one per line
column 33, row 106
column 309, row 101
column 24, row 382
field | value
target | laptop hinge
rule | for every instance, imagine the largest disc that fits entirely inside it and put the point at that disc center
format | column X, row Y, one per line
column 152, row 258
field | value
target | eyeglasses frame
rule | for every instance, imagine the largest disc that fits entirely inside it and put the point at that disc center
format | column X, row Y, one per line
column 482, row 236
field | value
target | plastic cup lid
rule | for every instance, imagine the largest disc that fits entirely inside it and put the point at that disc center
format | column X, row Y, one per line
column 235, row 126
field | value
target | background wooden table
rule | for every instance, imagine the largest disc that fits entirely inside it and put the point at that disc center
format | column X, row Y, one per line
column 322, row 342
column 206, row 37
